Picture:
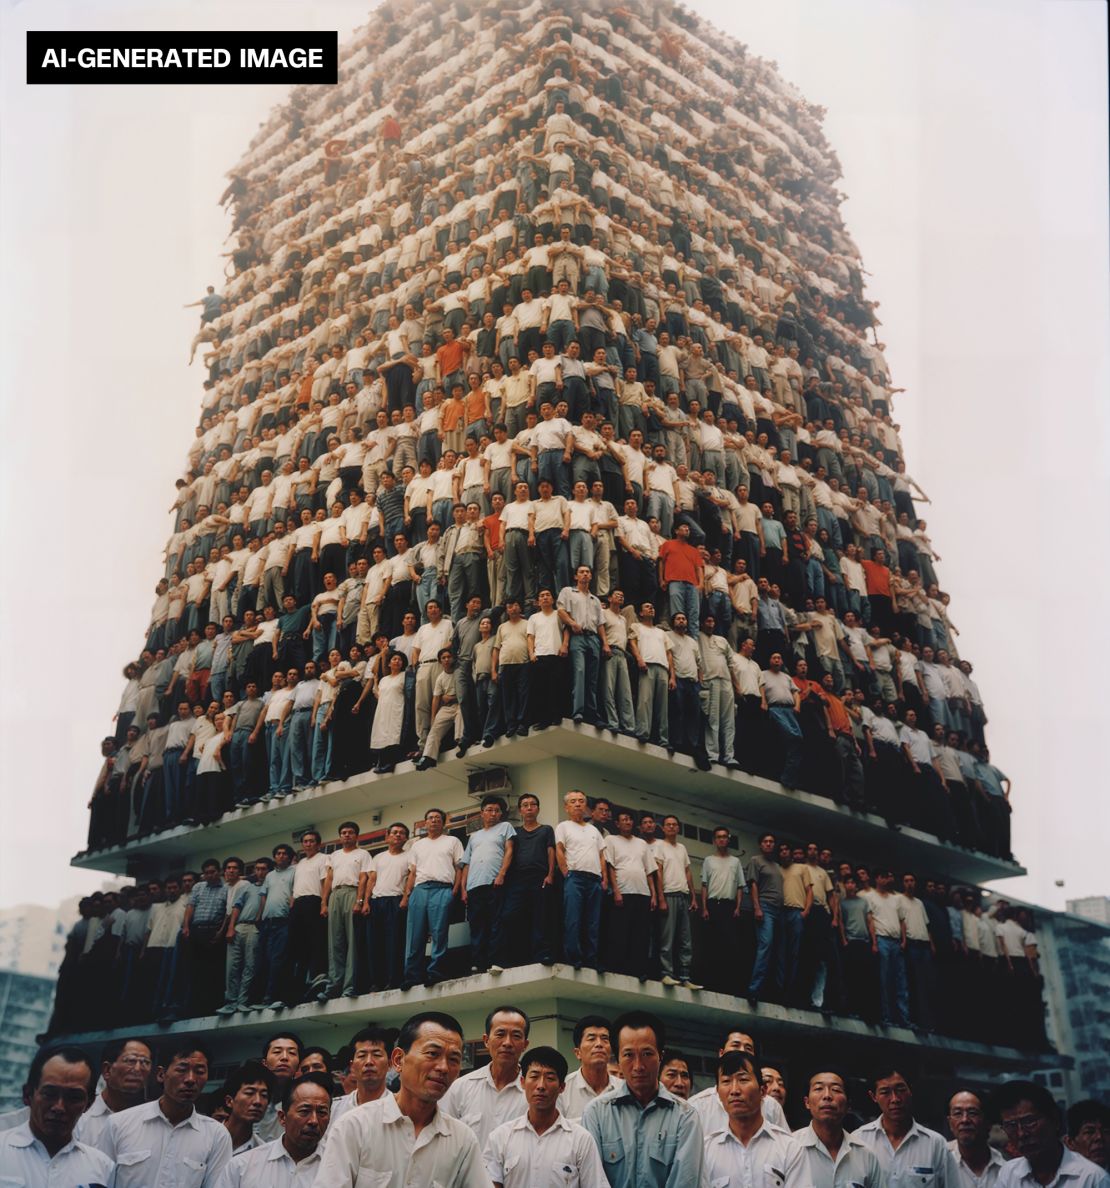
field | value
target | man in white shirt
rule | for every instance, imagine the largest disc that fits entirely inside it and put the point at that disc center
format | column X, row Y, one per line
column 593, row 1050
column 747, row 1150
column 492, row 1095
column 42, row 1152
column 977, row 1162
column 676, row 950
column 342, row 900
column 403, row 1137
column 651, row 649
column 1031, row 1120
column 833, row 1157
column 907, row 1151
column 382, row 909
column 580, row 852
column 888, row 918
column 371, row 1048
column 125, row 1067
column 434, row 878
column 632, row 871
column 167, row 1142
column 542, row 1145
column 293, row 1159
column 707, row 1102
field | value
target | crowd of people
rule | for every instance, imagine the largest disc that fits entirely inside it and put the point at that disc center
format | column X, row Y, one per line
column 393, row 1108
column 552, row 394
column 607, row 888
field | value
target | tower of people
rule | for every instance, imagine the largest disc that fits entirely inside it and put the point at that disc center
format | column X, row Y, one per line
column 549, row 612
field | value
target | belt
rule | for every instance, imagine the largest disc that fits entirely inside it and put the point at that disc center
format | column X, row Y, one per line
column 302, row 709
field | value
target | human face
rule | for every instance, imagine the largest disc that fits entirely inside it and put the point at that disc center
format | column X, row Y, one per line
column 250, row 1102
column 491, row 814
column 638, row 1058
column 184, row 1078
column 127, row 1074
column 506, row 1039
column 430, row 1066
column 827, row 1099
column 741, row 1094
column 894, row 1098
column 575, row 805
column 773, row 1085
column 1034, row 1134
column 966, row 1119
column 369, row 1065
column 595, row 1048
column 675, row 1077
column 542, row 1088
column 283, row 1054
column 1090, row 1141
column 58, row 1101
column 312, row 1063
column 348, row 837
column 306, row 1120
column 434, row 821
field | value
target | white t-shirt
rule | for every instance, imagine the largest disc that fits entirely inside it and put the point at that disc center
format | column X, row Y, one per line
column 390, row 871
column 675, row 862
column 435, row 859
column 583, row 844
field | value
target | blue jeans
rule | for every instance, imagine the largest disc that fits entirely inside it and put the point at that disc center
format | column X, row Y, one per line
column 768, row 948
column 321, row 753
column 173, row 774
column 554, row 469
column 785, row 721
column 581, row 917
column 240, row 764
column 585, row 659
column 273, row 944
column 429, row 912
column 683, row 598
column 323, row 638
column 383, row 942
column 894, row 996
column 661, row 505
column 275, row 751
column 793, row 927
column 298, row 766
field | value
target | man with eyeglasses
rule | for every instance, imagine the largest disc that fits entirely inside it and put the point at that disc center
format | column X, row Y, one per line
column 43, row 1151
column 907, row 1151
column 977, row 1162
column 125, row 1066
column 1031, row 1119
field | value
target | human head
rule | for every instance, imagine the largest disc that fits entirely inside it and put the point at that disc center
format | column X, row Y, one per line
column 674, row 1074
column 428, row 1055
column 639, row 1040
column 1029, row 1116
column 58, row 1089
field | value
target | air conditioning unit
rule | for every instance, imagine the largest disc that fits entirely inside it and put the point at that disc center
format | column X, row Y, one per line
column 489, row 781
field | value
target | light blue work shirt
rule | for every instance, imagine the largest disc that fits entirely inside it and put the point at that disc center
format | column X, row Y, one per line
column 484, row 853
column 278, row 889
column 659, row 1145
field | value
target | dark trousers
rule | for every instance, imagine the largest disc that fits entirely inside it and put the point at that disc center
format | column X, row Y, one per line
column 483, row 913
column 525, row 932
column 308, row 942
column 385, row 937
column 271, row 981
column 860, row 980
column 581, row 917
column 721, row 970
column 684, row 729
column 547, row 691
column 629, row 930
column 922, row 976
column 207, row 952
column 515, row 681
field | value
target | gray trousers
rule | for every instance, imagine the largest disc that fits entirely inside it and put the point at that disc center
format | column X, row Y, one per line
column 518, row 579
column 342, row 954
column 239, row 965
column 446, row 721
column 720, row 725
column 651, row 705
column 676, row 948
column 425, row 682
column 618, row 710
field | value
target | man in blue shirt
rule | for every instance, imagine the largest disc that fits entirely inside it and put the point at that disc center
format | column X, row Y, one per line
column 485, row 861
column 276, row 899
column 648, row 1138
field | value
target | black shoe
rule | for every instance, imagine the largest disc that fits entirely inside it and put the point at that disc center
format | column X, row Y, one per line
column 461, row 752
column 406, row 985
column 732, row 765
column 701, row 762
column 425, row 763
column 753, row 1001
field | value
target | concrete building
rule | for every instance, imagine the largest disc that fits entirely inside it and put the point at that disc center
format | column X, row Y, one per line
column 764, row 202
column 1091, row 907
column 25, row 1002
column 32, row 937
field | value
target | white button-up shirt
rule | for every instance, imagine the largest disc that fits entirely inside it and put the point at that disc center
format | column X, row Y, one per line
column 577, row 1094
column 772, row 1159
column 24, row 1160
column 1074, row 1172
column 93, row 1122
column 271, row 1166
column 564, row 1155
column 376, row 1146
column 968, row 1179
column 922, row 1159
column 855, row 1165
column 476, row 1100
column 151, row 1152
column 712, row 1116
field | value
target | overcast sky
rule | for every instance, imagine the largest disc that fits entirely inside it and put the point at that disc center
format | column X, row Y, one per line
column 973, row 142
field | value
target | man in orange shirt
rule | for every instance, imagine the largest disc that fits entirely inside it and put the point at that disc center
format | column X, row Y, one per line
column 847, row 749
column 877, row 575
column 681, row 569
column 450, row 358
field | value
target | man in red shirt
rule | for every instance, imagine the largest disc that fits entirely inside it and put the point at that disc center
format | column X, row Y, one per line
column 494, row 543
column 877, row 575
column 681, row 569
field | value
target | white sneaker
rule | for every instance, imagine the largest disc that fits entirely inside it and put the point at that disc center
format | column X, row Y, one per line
column 691, row 985
column 667, row 980
column 496, row 969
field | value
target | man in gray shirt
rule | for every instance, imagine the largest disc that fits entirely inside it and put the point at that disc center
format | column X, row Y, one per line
column 276, row 899
column 245, row 746
column 765, row 886
column 858, row 940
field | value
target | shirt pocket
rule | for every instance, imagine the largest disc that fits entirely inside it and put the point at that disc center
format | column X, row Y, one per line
column 662, row 1148
column 563, row 1175
column 773, row 1177
column 720, row 1182
column 474, row 1121
column 923, row 1176
column 191, row 1174
column 135, row 1160
column 369, row 1178
column 612, row 1155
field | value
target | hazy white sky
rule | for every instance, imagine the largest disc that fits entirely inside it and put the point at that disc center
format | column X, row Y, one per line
column 973, row 140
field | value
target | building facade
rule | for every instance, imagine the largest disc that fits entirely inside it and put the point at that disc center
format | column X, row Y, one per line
column 468, row 163
column 25, row 1002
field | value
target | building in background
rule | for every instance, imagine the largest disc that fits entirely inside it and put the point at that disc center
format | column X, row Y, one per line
column 32, row 937
column 700, row 195
column 25, row 1002
column 1091, row 907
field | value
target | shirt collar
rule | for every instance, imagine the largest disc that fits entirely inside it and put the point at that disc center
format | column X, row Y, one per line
column 152, row 1111
column 663, row 1097
column 522, row 1123
column 276, row 1150
column 391, row 1113
column 1071, row 1165
column 808, row 1137
column 21, row 1136
column 722, row 1136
